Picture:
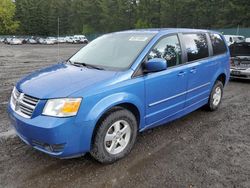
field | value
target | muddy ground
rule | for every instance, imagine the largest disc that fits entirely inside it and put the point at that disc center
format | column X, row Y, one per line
column 202, row 149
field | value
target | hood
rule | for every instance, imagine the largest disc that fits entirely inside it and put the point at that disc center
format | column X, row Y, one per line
column 61, row 80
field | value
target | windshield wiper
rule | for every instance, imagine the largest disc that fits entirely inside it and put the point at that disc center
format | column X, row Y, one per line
column 93, row 66
column 78, row 64
column 85, row 65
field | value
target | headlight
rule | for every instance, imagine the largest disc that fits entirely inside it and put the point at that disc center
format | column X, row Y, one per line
column 64, row 107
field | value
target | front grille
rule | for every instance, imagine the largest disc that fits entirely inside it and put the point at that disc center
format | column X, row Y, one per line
column 23, row 104
column 241, row 63
column 245, row 65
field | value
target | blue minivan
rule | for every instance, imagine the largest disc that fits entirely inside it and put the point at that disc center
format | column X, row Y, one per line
column 118, row 85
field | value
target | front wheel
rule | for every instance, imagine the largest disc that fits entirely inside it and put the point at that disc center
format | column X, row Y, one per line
column 115, row 136
column 215, row 96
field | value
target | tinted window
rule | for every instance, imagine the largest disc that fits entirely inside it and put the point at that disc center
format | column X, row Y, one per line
column 167, row 48
column 219, row 46
column 196, row 46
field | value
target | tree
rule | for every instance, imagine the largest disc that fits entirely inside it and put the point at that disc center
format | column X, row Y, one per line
column 116, row 14
column 40, row 17
column 7, row 12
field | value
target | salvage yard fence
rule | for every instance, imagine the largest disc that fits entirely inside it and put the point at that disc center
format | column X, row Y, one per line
column 235, row 31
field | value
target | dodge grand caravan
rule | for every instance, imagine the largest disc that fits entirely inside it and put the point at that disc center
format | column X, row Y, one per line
column 118, row 85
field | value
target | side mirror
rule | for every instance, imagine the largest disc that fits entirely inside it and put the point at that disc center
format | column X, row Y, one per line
column 155, row 65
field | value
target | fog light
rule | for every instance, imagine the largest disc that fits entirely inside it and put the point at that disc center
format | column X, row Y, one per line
column 49, row 147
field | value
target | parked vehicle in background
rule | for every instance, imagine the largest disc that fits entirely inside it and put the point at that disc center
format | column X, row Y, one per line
column 49, row 41
column 69, row 39
column 240, row 60
column 247, row 40
column 233, row 39
column 31, row 41
column 78, row 39
column 15, row 41
column 7, row 40
column 131, row 81
column 53, row 39
column 61, row 40
column 41, row 40
column 24, row 41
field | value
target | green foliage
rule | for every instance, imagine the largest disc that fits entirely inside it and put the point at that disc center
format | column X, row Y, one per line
column 40, row 17
column 7, row 12
column 87, row 29
column 142, row 24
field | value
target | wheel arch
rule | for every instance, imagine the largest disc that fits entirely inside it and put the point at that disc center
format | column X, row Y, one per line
column 123, row 105
column 222, row 78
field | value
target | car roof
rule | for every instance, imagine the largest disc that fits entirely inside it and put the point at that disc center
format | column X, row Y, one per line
column 165, row 30
column 158, row 30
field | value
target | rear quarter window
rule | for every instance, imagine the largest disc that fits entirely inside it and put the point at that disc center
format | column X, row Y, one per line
column 218, row 44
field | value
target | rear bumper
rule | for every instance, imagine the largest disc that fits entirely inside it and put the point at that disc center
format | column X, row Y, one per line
column 58, row 137
column 238, row 73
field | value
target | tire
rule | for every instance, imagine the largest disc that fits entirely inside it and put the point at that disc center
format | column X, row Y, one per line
column 215, row 96
column 120, row 125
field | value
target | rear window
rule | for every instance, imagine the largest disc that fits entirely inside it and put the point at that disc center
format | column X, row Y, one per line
column 240, row 49
column 218, row 44
column 196, row 46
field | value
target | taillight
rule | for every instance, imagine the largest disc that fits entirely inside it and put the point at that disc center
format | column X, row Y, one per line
column 232, row 62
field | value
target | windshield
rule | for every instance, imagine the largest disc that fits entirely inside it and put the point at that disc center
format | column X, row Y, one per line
column 113, row 51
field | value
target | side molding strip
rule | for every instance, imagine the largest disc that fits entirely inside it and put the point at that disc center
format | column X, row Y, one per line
column 178, row 95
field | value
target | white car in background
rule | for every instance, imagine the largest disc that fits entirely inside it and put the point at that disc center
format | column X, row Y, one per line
column 247, row 40
column 49, row 41
column 69, row 39
column 231, row 39
column 7, row 40
column 61, row 40
column 31, row 41
column 15, row 41
column 54, row 39
column 41, row 40
column 80, row 39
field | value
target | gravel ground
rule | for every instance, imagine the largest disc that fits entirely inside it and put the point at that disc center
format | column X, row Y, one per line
column 202, row 149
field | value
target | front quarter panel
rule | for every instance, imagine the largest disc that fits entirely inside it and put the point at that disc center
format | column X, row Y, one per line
column 96, row 104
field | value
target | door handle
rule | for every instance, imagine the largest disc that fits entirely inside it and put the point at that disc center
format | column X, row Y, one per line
column 182, row 73
column 193, row 70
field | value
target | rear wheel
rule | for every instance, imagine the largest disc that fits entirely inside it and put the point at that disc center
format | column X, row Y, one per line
column 115, row 136
column 215, row 96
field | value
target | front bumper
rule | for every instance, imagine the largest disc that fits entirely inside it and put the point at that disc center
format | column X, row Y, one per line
column 240, row 73
column 58, row 137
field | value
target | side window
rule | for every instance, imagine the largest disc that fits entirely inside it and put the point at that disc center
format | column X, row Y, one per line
column 218, row 44
column 169, row 49
column 196, row 46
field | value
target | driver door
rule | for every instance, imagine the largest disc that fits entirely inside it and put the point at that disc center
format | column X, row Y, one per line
column 165, row 91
